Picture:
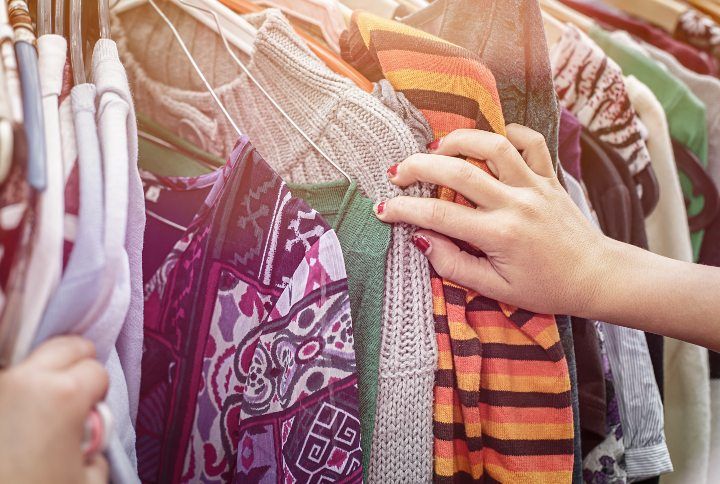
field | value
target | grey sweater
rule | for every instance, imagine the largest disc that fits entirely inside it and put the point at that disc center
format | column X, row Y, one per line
column 363, row 133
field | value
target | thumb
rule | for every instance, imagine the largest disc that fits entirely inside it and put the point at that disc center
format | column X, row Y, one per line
column 459, row 267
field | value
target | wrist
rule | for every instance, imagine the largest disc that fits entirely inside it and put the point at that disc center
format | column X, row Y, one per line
column 601, row 272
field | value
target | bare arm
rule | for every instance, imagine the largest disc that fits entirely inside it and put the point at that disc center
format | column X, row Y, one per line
column 542, row 254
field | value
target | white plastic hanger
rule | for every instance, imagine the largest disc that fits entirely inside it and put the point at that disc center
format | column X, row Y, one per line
column 241, row 34
column 565, row 14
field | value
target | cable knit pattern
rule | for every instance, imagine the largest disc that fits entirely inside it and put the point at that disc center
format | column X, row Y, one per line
column 358, row 131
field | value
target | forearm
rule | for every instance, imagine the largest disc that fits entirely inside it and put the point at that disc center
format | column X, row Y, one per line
column 642, row 290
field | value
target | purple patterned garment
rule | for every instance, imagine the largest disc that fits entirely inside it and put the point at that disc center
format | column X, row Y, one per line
column 248, row 373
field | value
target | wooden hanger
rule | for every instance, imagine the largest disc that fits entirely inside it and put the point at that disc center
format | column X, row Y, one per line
column 702, row 184
column 663, row 13
column 334, row 63
column 709, row 7
column 566, row 14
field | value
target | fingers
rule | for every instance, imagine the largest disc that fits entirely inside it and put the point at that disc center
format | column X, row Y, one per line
column 91, row 381
column 533, row 147
column 472, row 182
column 97, row 471
column 451, row 219
column 460, row 267
column 501, row 156
column 61, row 352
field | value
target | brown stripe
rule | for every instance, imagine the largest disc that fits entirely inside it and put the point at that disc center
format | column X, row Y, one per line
column 524, row 399
column 520, row 317
column 445, row 378
column 456, row 431
column 529, row 447
column 469, row 347
column 444, row 102
column 522, row 352
column 482, row 303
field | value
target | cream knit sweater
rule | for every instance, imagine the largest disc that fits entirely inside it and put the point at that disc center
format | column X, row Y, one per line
column 363, row 133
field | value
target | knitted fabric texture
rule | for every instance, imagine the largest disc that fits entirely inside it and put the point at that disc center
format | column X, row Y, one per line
column 362, row 134
column 502, row 389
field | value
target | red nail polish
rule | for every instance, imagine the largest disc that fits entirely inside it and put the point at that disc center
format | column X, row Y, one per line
column 392, row 171
column 434, row 145
column 380, row 208
column 422, row 243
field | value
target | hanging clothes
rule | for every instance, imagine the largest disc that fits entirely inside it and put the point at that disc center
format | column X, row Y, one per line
column 257, row 277
column 684, row 111
column 689, row 56
column 365, row 134
column 402, row 55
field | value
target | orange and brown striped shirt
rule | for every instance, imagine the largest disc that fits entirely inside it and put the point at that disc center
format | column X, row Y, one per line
column 502, row 404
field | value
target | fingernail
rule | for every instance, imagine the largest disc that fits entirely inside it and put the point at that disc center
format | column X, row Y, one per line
column 434, row 145
column 422, row 243
column 392, row 171
column 380, row 208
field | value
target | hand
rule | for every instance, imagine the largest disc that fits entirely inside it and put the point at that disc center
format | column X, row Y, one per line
column 44, row 402
column 541, row 252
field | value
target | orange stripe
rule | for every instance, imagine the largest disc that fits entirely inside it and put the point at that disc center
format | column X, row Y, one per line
column 536, row 415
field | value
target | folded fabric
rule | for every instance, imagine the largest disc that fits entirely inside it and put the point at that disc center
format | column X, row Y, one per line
column 487, row 424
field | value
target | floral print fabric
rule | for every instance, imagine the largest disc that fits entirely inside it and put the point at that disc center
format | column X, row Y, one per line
column 248, row 373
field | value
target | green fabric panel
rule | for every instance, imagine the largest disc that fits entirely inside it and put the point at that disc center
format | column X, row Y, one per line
column 685, row 113
column 163, row 161
column 151, row 127
column 364, row 241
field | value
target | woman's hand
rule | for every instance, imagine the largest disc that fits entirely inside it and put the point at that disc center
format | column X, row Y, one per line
column 541, row 251
column 44, row 402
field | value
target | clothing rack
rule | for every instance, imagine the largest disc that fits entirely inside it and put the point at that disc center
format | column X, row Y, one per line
column 192, row 186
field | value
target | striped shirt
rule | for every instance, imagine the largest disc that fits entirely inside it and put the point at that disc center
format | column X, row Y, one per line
column 502, row 404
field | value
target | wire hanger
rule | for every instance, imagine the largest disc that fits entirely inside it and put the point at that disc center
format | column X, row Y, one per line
column 263, row 91
column 242, row 33
column 195, row 66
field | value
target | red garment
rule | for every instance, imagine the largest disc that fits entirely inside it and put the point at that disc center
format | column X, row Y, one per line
column 688, row 56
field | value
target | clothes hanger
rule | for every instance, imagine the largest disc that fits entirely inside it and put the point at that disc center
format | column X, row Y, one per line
column 44, row 17
column 323, row 15
column 565, row 14
column 664, row 13
column 650, row 190
column 33, row 123
column 60, row 17
column 329, row 58
column 263, row 91
column 241, row 34
column 381, row 8
column 76, row 51
column 195, row 66
column 702, row 184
